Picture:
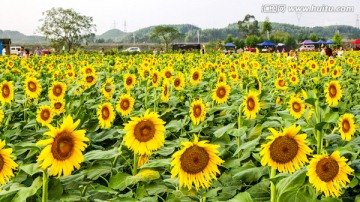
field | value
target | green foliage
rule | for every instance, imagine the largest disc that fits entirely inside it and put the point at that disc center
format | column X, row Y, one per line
column 66, row 27
column 337, row 39
column 165, row 34
column 248, row 26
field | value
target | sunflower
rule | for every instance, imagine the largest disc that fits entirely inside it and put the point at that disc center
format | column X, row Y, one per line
column 297, row 107
column 197, row 111
column 221, row 93
column 313, row 66
column 167, row 73
column 195, row 76
column 251, row 105
column 336, row 72
column 106, row 115
column 155, row 79
column 331, row 62
column 45, row 115
column 222, row 78
column 179, row 81
column 129, row 81
column 286, row 151
column 165, row 92
column 145, row 72
column 6, row 163
column 1, row 115
column 7, row 92
column 145, row 134
column 280, row 83
column 57, row 90
column 58, row 106
column 333, row 93
column 347, row 126
column 90, row 79
column 125, row 104
column 63, row 149
column 196, row 163
column 294, row 80
column 323, row 71
column 329, row 174
column 108, row 88
column 32, row 87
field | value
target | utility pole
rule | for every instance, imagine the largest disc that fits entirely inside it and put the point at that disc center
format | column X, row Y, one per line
column 134, row 37
column 198, row 36
column 125, row 26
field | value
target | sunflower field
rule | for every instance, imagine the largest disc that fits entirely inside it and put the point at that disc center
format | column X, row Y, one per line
column 180, row 127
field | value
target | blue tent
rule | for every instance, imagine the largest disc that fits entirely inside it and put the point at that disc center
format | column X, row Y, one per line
column 321, row 42
column 307, row 42
column 229, row 45
column 330, row 42
column 266, row 43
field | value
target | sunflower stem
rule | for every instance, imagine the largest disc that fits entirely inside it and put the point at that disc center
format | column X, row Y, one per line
column 136, row 159
column 318, row 134
column 146, row 96
column 239, row 126
column 45, row 186
column 272, row 187
column 155, row 100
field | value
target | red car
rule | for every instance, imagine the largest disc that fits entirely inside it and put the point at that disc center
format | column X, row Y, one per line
column 45, row 52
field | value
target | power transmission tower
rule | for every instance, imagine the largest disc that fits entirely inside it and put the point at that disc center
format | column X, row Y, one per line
column 114, row 24
column 125, row 26
column 357, row 22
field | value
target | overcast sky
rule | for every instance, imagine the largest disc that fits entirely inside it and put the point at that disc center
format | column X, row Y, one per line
column 24, row 15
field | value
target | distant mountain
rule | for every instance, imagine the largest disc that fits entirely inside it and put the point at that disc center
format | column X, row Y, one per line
column 19, row 38
column 206, row 35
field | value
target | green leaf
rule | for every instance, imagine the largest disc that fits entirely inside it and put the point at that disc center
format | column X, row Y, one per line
column 311, row 101
column 31, row 169
column 213, row 192
column 120, row 181
column 332, row 117
column 55, row 189
column 271, row 124
column 354, row 182
column 254, row 132
column 99, row 154
column 155, row 189
column 249, row 174
column 237, row 132
column 290, row 183
column 242, row 197
column 305, row 193
column 250, row 145
column 260, row 191
column 164, row 163
column 174, row 125
column 94, row 172
column 221, row 131
column 25, row 193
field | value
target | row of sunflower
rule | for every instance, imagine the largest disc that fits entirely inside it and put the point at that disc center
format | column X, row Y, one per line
column 175, row 127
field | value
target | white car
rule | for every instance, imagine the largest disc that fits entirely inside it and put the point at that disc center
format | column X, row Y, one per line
column 307, row 48
column 132, row 50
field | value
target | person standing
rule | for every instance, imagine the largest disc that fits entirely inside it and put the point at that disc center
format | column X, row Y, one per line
column 37, row 51
column 4, row 51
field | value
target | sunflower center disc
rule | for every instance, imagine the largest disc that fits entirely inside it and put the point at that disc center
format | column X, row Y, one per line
column 250, row 103
column 293, row 78
column 105, row 113
column 195, row 76
column 57, row 91
column 45, row 114
column 327, row 169
column 107, row 88
column 283, row 149
column 335, row 72
column 296, row 107
column 332, row 91
column 281, row 83
column 32, row 86
column 194, row 159
column 154, row 78
column 221, row 92
column 168, row 74
column 129, row 81
column 124, row 104
column 144, row 131
column 89, row 79
column 1, row 163
column 57, row 105
column 197, row 110
column 177, row 82
column 345, row 125
column 5, row 91
column 62, row 147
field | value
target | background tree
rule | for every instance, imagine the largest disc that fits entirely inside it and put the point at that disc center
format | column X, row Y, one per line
column 266, row 28
column 239, row 43
column 313, row 37
column 337, row 39
column 166, row 34
column 252, row 40
column 66, row 27
column 248, row 26
column 228, row 39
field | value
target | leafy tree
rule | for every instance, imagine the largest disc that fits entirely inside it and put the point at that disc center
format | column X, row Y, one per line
column 239, row 43
column 229, row 39
column 66, row 27
column 166, row 34
column 248, row 26
column 337, row 39
column 313, row 37
column 266, row 27
column 290, row 41
column 252, row 40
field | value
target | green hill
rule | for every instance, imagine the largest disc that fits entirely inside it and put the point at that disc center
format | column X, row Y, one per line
column 113, row 34
column 19, row 38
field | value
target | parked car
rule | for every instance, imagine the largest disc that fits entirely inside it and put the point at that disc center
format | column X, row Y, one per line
column 14, row 50
column 45, row 52
column 307, row 48
column 132, row 49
